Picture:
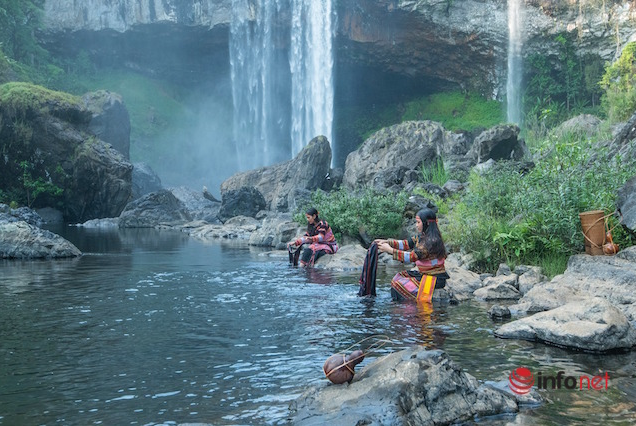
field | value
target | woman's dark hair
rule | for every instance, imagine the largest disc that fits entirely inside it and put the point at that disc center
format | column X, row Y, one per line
column 312, row 211
column 432, row 237
column 311, row 228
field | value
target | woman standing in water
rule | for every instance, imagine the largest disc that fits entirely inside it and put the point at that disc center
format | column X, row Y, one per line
column 426, row 250
column 320, row 237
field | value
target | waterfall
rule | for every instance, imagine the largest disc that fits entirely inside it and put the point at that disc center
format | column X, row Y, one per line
column 513, row 86
column 311, row 63
column 281, row 64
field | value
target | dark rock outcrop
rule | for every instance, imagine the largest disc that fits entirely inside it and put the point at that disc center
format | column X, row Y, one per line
column 109, row 121
column 101, row 181
column 280, row 183
column 245, row 201
column 153, row 210
column 144, row 180
column 48, row 133
column 498, row 143
column 410, row 387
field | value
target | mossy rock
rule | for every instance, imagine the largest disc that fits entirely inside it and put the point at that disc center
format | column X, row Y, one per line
column 24, row 100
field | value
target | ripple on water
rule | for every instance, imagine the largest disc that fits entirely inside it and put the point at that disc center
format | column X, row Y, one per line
column 233, row 340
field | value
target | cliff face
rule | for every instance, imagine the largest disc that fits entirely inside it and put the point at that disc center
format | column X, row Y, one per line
column 459, row 42
column 124, row 15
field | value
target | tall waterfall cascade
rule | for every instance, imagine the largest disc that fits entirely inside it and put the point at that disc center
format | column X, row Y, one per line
column 281, row 60
column 515, row 44
column 311, row 63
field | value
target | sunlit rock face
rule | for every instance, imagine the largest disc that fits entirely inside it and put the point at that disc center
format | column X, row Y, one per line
column 124, row 15
column 462, row 43
column 184, row 41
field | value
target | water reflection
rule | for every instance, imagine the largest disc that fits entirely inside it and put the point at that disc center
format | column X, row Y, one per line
column 176, row 330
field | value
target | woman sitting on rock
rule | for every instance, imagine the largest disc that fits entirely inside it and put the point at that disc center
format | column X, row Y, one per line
column 427, row 251
column 320, row 237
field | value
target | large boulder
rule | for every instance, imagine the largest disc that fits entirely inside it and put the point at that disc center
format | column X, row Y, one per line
column 609, row 277
column 386, row 156
column 275, row 231
column 498, row 143
column 109, row 119
column 21, row 240
column 280, row 183
column 593, row 325
column 53, row 145
column 197, row 205
column 245, row 201
column 410, row 387
column 584, row 125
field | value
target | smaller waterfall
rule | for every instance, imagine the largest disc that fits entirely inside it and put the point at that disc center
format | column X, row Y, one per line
column 513, row 85
column 311, row 63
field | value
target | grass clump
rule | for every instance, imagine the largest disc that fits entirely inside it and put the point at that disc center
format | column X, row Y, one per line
column 435, row 173
column 456, row 110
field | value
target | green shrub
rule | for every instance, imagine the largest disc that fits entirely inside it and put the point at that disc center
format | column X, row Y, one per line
column 34, row 187
column 533, row 218
column 380, row 215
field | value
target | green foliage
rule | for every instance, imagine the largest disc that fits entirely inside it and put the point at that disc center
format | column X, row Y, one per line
column 456, row 110
column 380, row 215
column 559, row 87
column 533, row 218
column 34, row 187
column 20, row 20
column 619, row 83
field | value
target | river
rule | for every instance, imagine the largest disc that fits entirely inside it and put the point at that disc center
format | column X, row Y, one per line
column 154, row 327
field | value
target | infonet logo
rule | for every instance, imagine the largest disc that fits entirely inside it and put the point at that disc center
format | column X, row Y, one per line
column 522, row 380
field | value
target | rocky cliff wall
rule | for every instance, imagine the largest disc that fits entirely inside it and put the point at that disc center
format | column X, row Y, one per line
column 460, row 42
column 124, row 15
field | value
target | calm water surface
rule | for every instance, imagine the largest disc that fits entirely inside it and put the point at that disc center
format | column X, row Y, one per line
column 153, row 327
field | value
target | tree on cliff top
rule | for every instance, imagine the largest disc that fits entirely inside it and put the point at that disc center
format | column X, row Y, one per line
column 19, row 19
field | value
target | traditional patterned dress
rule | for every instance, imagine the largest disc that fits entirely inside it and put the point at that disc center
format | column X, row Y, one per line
column 406, row 284
column 321, row 240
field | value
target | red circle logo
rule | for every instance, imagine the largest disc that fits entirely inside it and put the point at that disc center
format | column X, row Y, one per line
column 521, row 380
